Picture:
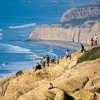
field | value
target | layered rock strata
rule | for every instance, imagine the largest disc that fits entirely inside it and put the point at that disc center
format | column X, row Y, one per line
column 81, row 33
column 81, row 12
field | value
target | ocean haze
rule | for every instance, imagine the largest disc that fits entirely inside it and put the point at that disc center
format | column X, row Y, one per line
column 39, row 11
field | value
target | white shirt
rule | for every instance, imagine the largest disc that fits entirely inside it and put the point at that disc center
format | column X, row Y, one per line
column 95, row 38
column 67, row 53
column 44, row 59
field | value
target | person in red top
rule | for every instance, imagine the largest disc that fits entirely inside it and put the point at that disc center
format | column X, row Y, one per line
column 91, row 41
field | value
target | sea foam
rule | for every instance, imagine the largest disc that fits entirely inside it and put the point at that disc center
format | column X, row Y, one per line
column 14, row 49
column 22, row 26
column 1, row 29
column 54, row 1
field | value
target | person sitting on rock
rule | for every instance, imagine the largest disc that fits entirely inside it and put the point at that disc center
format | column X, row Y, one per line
column 53, row 60
column 38, row 67
column 50, row 86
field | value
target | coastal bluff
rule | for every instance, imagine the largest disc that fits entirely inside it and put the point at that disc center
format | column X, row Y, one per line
column 81, row 33
column 81, row 12
column 75, row 79
column 78, row 24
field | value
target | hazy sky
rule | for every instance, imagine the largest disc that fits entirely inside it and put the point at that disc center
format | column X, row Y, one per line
column 11, row 10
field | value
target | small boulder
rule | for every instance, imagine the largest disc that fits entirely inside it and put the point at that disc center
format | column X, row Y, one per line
column 19, row 73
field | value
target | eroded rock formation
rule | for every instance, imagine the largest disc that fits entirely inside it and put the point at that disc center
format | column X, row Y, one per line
column 81, row 12
column 79, row 82
column 81, row 33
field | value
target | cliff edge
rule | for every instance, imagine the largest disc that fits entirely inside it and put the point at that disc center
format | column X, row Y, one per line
column 81, row 12
column 75, row 79
column 81, row 33
column 78, row 24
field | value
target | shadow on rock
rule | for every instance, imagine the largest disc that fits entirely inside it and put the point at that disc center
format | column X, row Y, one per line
column 68, row 97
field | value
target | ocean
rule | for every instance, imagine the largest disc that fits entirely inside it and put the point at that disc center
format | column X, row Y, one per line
column 18, row 18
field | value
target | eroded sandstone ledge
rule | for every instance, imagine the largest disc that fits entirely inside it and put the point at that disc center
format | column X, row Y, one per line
column 71, row 80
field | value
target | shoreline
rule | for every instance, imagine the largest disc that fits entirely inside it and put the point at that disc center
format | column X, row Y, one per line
column 63, row 44
column 60, row 44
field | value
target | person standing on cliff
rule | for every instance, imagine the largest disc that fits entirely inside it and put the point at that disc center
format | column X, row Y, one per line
column 44, row 61
column 91, row 42
column 95, row 39
column 48, row 60
column 82, row 48
column 68, row 54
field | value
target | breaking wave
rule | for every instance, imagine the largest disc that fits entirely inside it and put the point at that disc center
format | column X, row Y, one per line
column 14, row 49
column 54, row 1
column 22, row 26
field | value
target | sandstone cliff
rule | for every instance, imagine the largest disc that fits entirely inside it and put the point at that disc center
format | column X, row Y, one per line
column 81, row 33
column 71, row 79
column 81, row 12
column 76, row 25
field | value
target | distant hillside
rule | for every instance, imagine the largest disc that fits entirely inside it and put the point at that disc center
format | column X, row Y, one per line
column 81, row 12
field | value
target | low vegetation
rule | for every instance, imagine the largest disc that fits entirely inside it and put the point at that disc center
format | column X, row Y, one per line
column 92, row 54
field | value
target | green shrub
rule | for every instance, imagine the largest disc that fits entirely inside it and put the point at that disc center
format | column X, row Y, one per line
column 92, row 54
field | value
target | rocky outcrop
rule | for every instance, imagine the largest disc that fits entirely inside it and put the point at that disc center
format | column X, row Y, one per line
column 81, row 12
column 81, row 33
column 80, row 82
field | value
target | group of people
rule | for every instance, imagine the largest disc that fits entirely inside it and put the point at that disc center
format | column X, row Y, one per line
column 45, row 62
column 94, row 41
column 68, row 54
